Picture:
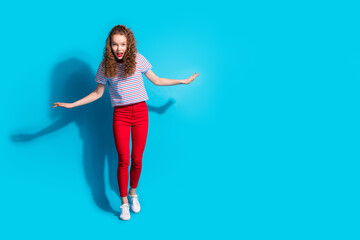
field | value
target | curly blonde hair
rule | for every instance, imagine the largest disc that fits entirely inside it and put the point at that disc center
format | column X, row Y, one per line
column 129, row 58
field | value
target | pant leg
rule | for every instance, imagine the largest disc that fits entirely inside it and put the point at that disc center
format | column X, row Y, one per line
column 121, row 127
column 139, row 132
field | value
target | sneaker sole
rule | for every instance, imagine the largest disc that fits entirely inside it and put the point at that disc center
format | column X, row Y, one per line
column 125, row 219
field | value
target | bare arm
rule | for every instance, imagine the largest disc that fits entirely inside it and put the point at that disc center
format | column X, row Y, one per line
column 93, row 96
column 168, row 82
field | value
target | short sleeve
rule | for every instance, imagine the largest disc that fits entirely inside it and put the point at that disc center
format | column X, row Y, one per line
column 100, row 78
column 145, row 65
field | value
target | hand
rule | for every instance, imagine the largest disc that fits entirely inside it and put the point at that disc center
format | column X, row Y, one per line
column 65, row 105
column 190, row 79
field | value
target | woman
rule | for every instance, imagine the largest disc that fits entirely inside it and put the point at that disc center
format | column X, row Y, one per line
column 122, row 69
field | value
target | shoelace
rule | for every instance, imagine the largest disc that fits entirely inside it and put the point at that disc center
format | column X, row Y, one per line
column 132, row 197
column 125, row 208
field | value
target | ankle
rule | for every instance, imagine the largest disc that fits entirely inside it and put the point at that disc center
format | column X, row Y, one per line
column 124, row 200
column 132, row 191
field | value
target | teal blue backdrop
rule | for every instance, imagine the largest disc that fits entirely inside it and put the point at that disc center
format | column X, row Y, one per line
column 264, row 144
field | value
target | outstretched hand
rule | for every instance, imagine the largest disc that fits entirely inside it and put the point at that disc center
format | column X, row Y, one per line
column 190, row 79
column 65, row 105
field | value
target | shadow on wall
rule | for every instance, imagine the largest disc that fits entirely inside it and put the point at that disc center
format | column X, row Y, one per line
column 72, row 80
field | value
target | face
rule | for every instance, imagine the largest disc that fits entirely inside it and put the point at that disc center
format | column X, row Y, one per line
column 118, row 45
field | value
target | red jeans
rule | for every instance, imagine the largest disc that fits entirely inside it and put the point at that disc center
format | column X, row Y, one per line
column 134, row 117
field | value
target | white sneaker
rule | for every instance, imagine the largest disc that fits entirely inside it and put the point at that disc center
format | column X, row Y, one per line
column 135, row 205
column 125, row 213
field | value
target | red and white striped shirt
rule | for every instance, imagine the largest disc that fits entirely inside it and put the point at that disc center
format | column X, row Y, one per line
column 127, row 90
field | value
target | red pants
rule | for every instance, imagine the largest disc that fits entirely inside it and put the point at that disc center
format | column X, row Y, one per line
column 134, row 117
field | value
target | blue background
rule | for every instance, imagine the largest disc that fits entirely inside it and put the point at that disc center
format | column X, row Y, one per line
column 264, row 144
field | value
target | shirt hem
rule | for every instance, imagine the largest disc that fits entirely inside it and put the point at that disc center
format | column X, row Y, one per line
column 121, row 105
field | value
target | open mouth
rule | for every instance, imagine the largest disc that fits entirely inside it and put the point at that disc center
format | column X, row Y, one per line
column 119, row 54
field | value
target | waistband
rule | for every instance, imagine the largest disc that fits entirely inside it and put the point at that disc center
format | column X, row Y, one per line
column 131, row 104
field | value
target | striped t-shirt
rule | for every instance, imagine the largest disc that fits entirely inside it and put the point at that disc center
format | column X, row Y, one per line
column 127, row 90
